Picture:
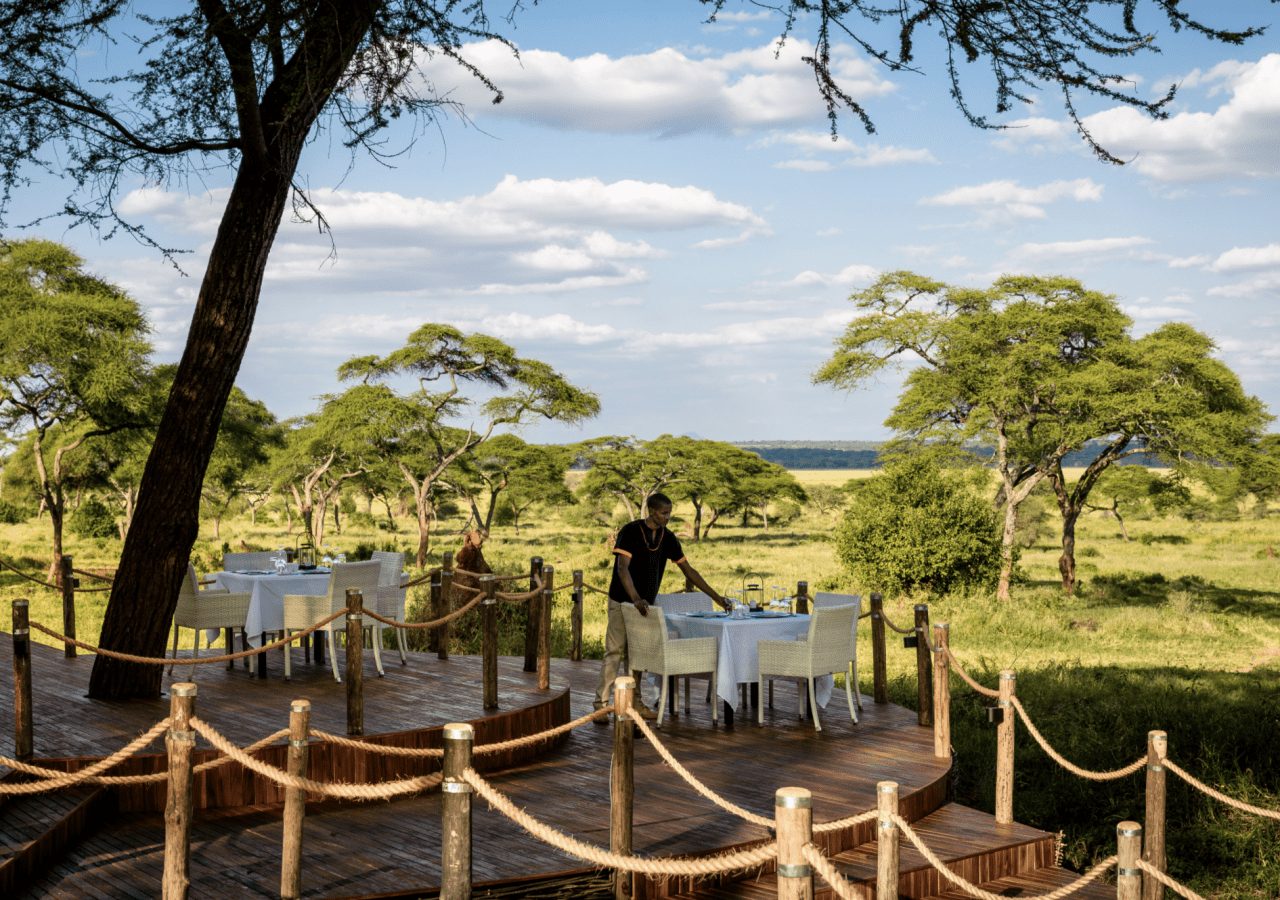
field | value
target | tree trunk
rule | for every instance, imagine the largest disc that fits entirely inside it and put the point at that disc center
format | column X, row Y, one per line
column 1124, row 532
column 697, row 521
column 56, row 519
column 424, row 532
column 1006, row 550
column 1067, row 561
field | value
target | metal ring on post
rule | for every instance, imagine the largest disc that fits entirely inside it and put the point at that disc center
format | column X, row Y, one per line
column 786, row 870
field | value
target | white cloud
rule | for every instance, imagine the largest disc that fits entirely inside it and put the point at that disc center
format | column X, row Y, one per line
column 1088, row 247
column 1008, row 198
column 849, row 275
column 1188, row 262
column 1240, row 258
column 1146, row 312
column 848, row 153
column 1034, row 133
column 1266, row 284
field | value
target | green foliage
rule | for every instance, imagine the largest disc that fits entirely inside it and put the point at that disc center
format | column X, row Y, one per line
column 12, row 513
column 92, row 519
column 911, row 527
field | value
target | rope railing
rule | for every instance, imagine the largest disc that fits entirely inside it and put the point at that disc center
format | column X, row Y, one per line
column 21, row 574
column 884, row 618
column 471, row 574
column 1180, row 889
column 1071, row 767
column 94, row 575
column 965, row 677
column 434, row 623
column 1218, row 795
column 424, row 577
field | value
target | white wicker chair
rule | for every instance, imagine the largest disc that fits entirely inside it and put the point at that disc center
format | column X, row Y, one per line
column 827, row 649
column 256, row 559
column 200, row 610
column 391, row 596
column 679, row 604
column 649, row 649
column 301, row 611
column 823, row 599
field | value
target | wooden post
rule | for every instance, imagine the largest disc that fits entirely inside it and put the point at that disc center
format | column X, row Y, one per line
column 355, row 661
column 455, row 809
column 802, row 597
column 1153, row 843
column 793, row 818
column 489, row 640
column 575, row 618
column 879, row 678
column 68, row 584
column 544, row 628
column 180, row 741
column 437, row 611
column 1004, row 749
column 23, row 727
column 446, row 604
column 887, row 841
column 941, row 691
column 622, row 785
column 1129, row 849
column 924, row 667
column 533, row 616
column 295, row 801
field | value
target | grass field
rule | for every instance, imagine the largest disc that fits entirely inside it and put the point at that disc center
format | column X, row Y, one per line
column 1178, row 628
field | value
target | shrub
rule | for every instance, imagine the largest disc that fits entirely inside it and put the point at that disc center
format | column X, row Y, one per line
column 92, row 519
column 12, row 514
column 913, row 527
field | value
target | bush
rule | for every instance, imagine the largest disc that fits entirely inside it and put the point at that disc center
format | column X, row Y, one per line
column 912, row 527
column 92, row 519
column 12, row 514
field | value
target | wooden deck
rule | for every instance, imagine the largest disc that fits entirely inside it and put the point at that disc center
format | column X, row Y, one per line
column 112, row 845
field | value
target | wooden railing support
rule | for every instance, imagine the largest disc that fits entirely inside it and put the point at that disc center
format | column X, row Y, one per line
column 67, row 583
column 23, row 726
column 437, row 611
column 622, row 785
column 179, row 742
column 793, row 818
column 924, row 667
column 295, row 801
column 355, row 661
column 533, row 616
column 544, row 628
column 1004, row 748
column 887, row 850
column 575, row 618
column 941, row 691
column 489, row 640
column 455, row 808
column 802, row 597
column 879, row 677
column 1153, row 846
column 446, row 604
column 1129, row 849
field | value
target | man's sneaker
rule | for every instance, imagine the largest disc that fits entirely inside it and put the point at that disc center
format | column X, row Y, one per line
column 603, row 720
column 645, row 712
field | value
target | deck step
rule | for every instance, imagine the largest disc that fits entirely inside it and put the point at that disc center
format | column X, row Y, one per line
column 1041, row 881
column 35, row 828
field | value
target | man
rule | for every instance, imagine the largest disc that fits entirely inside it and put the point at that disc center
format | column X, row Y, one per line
column 641, row 550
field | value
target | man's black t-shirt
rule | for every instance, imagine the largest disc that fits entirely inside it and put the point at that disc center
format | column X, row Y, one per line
column 646, row 553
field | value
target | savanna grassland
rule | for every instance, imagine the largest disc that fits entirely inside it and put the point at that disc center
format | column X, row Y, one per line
column 1176, row 629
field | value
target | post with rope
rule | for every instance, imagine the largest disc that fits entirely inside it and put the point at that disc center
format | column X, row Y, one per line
column 489, row 640
column 1129, row 849
column 455, row 810
column 1153, row 844
column 941, row 691
column 924, row 668
column 179, row 743
column 1004, row 748
column 544, row 628
column 887, row 840
column 433, row 634
column 878, row 675
column 67, row 583
column 355, row 661
column 23, row 726
column 793, row 816
column 295, row 801
column 802, row 597
column 575, row 618
column 622, row 785
column 446, row 600
column 532, row 617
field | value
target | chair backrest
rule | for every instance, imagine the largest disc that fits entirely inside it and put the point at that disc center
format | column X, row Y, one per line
column 646, row 637
column 360, row 575
column 831, row 636
column 825, row 599
column 188, row 593
column 685, row 602
column 392, row 566
column 255, row 559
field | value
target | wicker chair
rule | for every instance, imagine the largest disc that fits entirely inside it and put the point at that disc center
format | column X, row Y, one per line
column 827, row 649
column 261, row 560
column 822, row 599
column 301, row 611
column 649, row 649
column 391, row 596
column 201, row 610
column 679, row 604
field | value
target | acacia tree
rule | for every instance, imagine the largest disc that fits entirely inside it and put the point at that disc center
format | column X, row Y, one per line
column 518, row 475
column 241, row 85
column 629, row 471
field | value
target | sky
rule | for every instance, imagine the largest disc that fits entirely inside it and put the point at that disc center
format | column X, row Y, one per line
column 657, row 209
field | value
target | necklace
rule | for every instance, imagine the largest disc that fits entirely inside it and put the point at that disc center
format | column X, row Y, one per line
column 644, row 529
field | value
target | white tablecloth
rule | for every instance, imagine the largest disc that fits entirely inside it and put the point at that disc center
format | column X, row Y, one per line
column 736, row 645
column 266, row 602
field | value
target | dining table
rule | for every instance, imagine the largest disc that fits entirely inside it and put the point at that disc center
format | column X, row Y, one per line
column 737, row 654
column 267, row 590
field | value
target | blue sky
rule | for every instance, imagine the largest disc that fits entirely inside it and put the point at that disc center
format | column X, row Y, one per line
column 657, row 209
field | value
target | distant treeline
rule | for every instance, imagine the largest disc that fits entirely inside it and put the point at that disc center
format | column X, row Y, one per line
column 866, row 454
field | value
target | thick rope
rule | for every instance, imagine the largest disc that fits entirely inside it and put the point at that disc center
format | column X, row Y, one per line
column 689, row 778
column 964, row 676
column 518, row 598
column 426, row 576
column 385, row 790
column 529, row 740
column 865, row 615
column 1071, row 767
column 471, row 574
column 592, row 587
column 54, row 779
column 193, row 660
column 1218, row 795
column 893, row 627
column 974, row 891
column 1180, row 889
column 848, row 822
column 709, row 865
column 93, row 575
column 33, row 580
column 434, row 623
column 840, row 885
column 378, row 749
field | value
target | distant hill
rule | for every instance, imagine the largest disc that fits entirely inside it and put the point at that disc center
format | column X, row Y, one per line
column 866, row 454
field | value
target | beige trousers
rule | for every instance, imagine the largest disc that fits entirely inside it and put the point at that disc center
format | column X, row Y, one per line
column 615, row 651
